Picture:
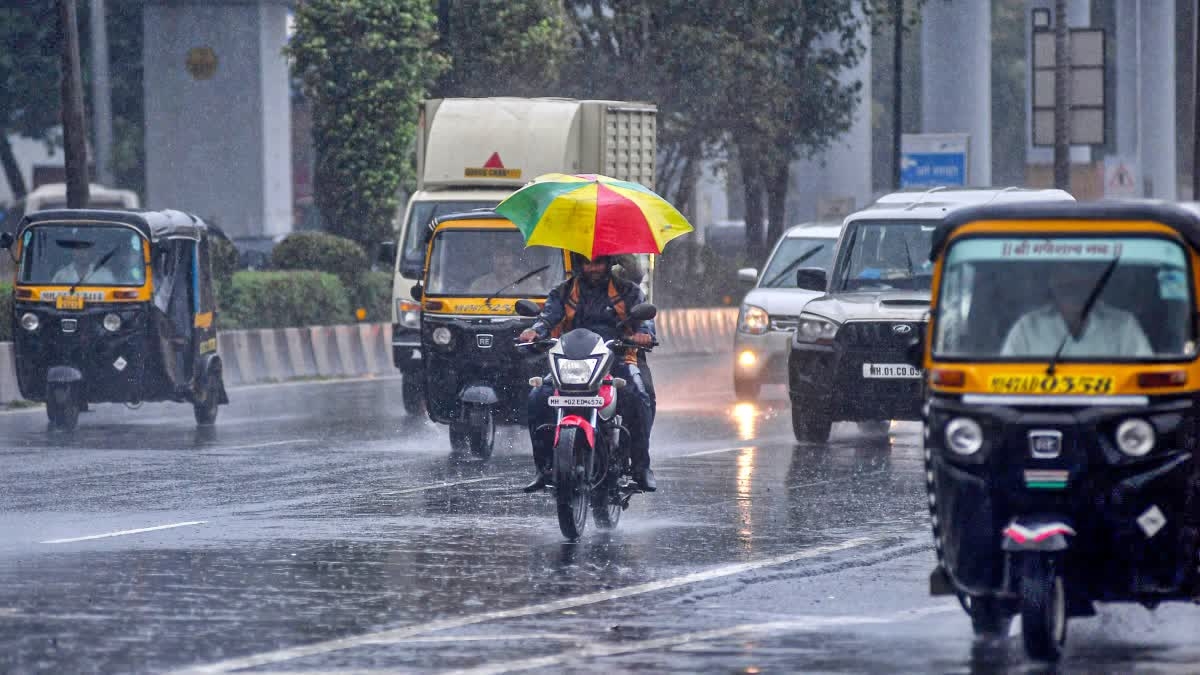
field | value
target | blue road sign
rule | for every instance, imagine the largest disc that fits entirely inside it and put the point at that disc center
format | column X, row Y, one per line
column 928, row 169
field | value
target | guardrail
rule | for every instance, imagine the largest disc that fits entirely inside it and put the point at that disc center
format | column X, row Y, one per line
column 280, row 354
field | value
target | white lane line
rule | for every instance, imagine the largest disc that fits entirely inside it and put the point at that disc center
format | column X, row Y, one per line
column 122, row 533
column 397, row 634
column 266, row 444
column 718, row 451
column 437, row 486
column 806, row 623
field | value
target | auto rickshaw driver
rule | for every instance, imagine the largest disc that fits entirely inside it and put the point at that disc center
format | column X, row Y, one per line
column 85, row 264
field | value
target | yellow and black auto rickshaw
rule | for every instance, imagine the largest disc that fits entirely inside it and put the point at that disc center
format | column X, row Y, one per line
column 1062, row 412
column 476, row 268
column 114, row 306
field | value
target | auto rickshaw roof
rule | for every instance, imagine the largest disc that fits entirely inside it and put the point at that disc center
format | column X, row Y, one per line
column 155, row 225
column 477, row 214
column 1182, row 220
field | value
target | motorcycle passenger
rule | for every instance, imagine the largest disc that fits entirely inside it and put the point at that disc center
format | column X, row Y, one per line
column 598, row 301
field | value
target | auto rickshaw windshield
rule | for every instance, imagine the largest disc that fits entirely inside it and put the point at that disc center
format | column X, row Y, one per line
column 491, row 262
column 1020, row 298
column 65, row 254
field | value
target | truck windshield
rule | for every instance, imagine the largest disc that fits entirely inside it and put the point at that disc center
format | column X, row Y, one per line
column 64, row 254
column 885, row 255
column 1018, row 298
column 491, row 262
column 419, row 217
column 794, row 253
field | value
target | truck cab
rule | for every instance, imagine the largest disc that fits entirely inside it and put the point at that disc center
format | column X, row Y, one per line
column 848, row 359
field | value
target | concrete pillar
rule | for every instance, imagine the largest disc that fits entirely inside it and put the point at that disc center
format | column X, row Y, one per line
column 1125, row 107
column 842, row 173
column 1156, row 99
column 218, row 113
column 956, row 77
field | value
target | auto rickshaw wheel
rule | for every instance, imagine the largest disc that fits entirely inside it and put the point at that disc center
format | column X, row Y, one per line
column 1043, row 607
column 207, row 405
column 476, row 433
column 990, row 617
column 62, row 407
column 412, row 393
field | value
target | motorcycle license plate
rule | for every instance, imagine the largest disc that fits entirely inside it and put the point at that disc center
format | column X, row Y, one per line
column 68, row 302
column 576, row 402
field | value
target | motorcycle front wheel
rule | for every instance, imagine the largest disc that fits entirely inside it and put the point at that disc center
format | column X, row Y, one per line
column 571, row 482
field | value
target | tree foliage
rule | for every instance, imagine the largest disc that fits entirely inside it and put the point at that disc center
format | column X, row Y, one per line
column 364, row 65
column 503, row 47
column 29, row 64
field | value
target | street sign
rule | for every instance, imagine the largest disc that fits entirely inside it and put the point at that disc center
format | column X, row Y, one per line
column 929, row 160
column 1120, row 178
column 1087, row 100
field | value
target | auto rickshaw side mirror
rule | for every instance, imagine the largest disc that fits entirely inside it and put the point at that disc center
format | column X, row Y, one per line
column 811, row 279
column 643, row 312
column 417, row 291
column 6, row 241
column 528, row 308
column 387, row 253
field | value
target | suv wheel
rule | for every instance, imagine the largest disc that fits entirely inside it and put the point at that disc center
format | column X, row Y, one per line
column 746, row 389
column 810, row 424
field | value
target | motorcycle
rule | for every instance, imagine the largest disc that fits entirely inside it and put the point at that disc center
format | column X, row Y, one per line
column 591, row 456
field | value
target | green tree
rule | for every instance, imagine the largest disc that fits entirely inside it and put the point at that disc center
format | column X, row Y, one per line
column 503, row 47
column 29, row 60
column 364, row 65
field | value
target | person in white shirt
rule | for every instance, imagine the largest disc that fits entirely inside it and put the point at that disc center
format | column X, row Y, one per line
column 1108, row 332
column 81, row 268
column 507, row 267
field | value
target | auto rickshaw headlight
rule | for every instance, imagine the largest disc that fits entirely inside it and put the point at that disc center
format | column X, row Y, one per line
column 30, row 321
column 1135, row 437
column 112, row 322
column 964, row 436
column 442, row 336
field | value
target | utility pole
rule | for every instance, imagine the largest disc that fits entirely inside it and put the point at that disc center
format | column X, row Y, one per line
column 1062, row 98
column 101, row 95
column 74, row 129
column 897, row 88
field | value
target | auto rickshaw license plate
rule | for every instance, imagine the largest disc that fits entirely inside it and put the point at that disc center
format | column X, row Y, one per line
column 1050, row 384
column 68, row 302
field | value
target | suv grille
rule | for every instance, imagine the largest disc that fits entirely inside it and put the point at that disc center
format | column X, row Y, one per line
column 877, row 334
column 784, row 323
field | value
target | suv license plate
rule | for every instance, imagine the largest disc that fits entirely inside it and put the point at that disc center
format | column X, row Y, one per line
column 891, row 371
column 576, row 402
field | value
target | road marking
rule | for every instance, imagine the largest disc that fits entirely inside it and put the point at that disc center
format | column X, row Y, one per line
column 122, row 533
column 397, row 634
column 807, row 623
column 266, row 444
column 437, row 486
column 713, row 452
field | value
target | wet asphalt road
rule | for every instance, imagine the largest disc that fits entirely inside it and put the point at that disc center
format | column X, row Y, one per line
column 319, row 529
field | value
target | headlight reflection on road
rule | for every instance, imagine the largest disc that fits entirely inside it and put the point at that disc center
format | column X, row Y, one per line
column 745, row 415
column 745, row 492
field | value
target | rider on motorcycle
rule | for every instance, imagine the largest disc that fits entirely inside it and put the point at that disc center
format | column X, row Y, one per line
column 598, row 301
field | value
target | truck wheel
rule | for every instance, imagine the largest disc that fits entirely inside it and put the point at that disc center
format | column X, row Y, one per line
column 413, row 394
column 810, row 425
column 746, row 389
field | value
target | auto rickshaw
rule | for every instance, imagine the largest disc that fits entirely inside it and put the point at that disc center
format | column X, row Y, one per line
column 476, row 268
column 1061, row 417
column 116, row 307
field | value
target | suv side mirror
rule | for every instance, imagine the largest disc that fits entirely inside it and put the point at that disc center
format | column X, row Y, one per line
column 417, row 292
column 747, row 275
column 6, row 241
column 811, row 279
column 528, row 308
column 387, row 253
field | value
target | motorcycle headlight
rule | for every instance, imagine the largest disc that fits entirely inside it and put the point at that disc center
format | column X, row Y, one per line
column 442, row 336
column 575, row 371
column 813, row 328
column 112, row 322
column 755, row 320
column 1135, row 437
column 408, row 314
column 964, row 436
column 30, row 321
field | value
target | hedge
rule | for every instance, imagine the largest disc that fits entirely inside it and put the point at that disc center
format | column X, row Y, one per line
column 374, row 294
column 321, row 252
column 6, row 309
column 285, row 299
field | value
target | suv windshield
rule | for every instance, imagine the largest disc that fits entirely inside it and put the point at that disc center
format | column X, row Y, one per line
column 65, row 254
column 418, row 219
column 491, row 262
column 795, row 253
column 1018, row 298
column 886, row 255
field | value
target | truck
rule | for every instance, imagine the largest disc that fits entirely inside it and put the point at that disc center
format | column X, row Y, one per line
column 472, row 153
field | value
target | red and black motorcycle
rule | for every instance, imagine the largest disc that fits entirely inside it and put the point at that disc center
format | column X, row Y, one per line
column 591, row 457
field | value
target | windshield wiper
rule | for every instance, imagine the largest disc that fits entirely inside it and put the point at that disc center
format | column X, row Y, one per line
column 1077, row 332
column 908, row 256
column 792, row 266
column 491, row 297
column 100, row 263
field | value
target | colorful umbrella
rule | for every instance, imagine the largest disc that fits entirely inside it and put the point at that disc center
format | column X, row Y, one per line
column 593, row 215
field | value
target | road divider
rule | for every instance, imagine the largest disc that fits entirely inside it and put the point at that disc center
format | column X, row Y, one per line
column 359, row 350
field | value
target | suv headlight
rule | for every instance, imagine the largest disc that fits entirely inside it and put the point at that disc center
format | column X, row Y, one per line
column 575, row 371
column 408, row 314
column 755, row 320
column 813, row 328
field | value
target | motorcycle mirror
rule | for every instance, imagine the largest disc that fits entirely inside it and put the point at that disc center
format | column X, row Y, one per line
column 528, row 308
column 643, row 312
column 417, row 291
column 6, row 240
